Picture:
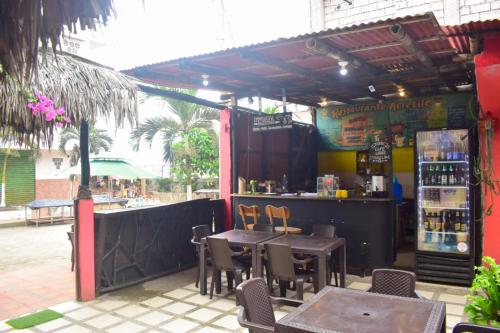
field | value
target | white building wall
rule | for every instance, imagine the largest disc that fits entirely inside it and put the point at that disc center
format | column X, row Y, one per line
column 45, row 164
column 338, row 13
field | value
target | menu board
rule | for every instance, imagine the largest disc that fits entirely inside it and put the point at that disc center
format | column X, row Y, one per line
column 380, row 152
column 269, row 122
column 355, row 127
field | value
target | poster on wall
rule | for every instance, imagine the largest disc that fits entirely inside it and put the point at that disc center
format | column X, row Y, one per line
column 355, row 127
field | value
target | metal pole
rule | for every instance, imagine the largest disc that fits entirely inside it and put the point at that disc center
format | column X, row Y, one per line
column 283, row 94
column 260, row 101
column 234, row 145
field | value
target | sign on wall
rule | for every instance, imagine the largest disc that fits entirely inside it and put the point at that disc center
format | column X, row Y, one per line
column 380, row 152
column 270, row 122
column 355, row 127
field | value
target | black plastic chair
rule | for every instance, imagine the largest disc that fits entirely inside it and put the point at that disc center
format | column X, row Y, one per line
column 256, row 312
column 224, row 259
column 199, row 232
column 328, row 230
column 263, row 227
column 393, row 282
column 284, row 267
column 474, row 328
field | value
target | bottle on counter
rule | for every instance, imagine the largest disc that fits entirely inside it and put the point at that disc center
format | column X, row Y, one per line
column 284, row 183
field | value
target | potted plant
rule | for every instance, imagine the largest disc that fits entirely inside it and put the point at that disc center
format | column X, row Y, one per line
column 484, row 298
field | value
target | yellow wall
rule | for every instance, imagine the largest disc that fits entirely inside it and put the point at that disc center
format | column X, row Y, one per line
column 345, row 161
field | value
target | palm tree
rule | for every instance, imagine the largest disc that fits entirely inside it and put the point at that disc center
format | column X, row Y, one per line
column 177, row 122
column 98, row 139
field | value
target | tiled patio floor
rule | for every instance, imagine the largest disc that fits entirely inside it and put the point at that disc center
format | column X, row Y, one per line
column 173, row 304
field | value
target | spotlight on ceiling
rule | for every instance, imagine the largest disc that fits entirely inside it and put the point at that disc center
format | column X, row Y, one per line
column 371, row 88
column 343, row 67
column 324, row 102
column 402, row 93
column 205, row 79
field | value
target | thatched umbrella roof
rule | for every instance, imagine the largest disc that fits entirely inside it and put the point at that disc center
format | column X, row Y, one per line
column 27, row 24
column 86, row 91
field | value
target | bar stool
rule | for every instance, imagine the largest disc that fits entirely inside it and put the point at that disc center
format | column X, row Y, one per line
column 249, row 211
column 282, row 213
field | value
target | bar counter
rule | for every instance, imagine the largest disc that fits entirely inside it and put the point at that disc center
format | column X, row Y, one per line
column 367, row 224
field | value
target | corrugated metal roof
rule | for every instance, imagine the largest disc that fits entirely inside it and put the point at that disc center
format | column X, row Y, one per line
column 459, row 34
column 308, row 76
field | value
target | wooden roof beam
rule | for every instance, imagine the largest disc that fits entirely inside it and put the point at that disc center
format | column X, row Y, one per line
column 399, row 33
column 322, row 48
column 317, row 77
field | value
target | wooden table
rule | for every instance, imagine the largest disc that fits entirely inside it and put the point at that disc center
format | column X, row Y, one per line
column 335, row 310
column 317, row 246
column 241, row 238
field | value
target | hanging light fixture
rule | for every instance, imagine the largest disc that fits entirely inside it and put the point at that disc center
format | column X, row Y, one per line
column 205, row 79
column 343, row 67
column 402, row 92
column 324, row 102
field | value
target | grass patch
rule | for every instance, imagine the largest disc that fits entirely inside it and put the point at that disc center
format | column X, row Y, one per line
column 34, row 319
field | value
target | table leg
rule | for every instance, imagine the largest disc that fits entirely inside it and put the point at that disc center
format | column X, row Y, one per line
column 321, row 271
column 256, row 262
column 342, row 265
column 203, row 268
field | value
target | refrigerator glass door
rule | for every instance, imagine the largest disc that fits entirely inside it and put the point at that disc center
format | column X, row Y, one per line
column 443, row 191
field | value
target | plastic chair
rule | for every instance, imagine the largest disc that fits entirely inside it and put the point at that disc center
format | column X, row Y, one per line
column 256, row 312
column 328, row 230
column 474, row 328
column 263, row 227
column 393, row 282
column 282, row 213
column 246, row 212
column 282, row 266
column 224, row 259
column 199, row 232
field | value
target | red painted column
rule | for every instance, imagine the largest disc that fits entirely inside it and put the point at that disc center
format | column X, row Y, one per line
column 84, row 253
column 225, row 165
column 488, row 77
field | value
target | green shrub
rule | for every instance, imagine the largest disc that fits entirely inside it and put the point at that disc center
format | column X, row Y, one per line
column 484, row 296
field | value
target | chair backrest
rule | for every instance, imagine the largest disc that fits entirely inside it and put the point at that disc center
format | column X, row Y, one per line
column 254, row 296
column 324, row 230
column 200, row 231
column 280, row 261
column 282, row 213
column 249, row 211
column 263, row 227
column 473, row 328
column 393, row 282
column 221, row 253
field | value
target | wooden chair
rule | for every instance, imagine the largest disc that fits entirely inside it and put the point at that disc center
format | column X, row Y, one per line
column 282, row 213
column 246, row 212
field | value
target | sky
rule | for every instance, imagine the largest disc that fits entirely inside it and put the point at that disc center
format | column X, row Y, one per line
column 152, row 31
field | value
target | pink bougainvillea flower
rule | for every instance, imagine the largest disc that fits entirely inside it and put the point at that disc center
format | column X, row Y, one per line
column 67, row 120
column 60, row 111
column 30, row 106
column 59, row 124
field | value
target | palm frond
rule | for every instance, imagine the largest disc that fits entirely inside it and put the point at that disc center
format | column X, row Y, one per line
column 84, row 90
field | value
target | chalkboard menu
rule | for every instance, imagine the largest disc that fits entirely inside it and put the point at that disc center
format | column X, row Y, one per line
column 379, row 152
column 270, row 122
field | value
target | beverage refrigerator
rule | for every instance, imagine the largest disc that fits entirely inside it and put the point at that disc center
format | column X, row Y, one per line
column 445, row 235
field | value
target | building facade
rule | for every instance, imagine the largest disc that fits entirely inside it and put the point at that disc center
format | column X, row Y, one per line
column 330, row 14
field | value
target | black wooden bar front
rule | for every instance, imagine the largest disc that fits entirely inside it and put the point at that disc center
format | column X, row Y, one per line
column 139, row 244
column 367, row 224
